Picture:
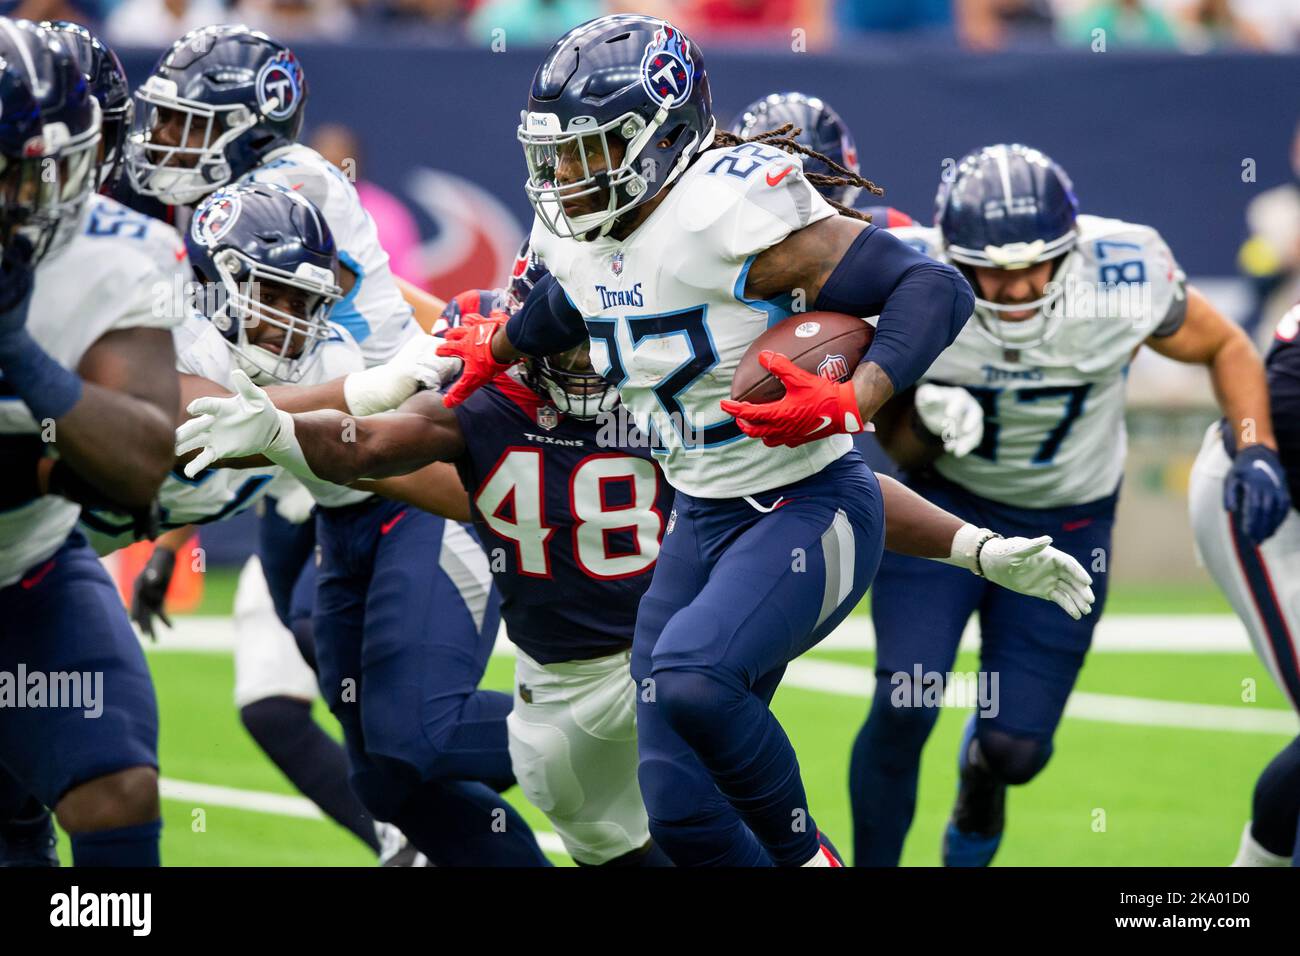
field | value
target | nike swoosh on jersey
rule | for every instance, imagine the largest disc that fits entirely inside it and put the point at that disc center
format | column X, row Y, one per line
column 387, row 526
column 780, row 176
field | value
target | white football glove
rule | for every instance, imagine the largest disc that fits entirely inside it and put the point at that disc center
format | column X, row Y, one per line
column 384, row 387
column 953, row 415
column 245, row 423
column 1025, row 565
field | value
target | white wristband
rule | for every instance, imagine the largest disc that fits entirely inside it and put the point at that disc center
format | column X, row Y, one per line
column 966, row 545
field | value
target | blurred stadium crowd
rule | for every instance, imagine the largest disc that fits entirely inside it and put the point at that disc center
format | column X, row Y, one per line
column 1191, row 26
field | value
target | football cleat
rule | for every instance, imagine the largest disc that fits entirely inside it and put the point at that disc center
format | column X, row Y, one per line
column 974, row 833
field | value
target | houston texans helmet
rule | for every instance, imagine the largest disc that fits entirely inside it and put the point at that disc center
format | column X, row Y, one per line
column 1009, row 207
column 250, row 239
column 217, row 102
column 108, row 85
column 627, row 91
column 69, row 118
column 524, row 274
column 820, row 128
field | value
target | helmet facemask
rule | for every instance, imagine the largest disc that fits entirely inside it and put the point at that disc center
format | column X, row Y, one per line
column 244, row 284
column 193, row 162
column 572, row 385
column 116, row 127
column 1018, row 335
column 618, row 188
column 73, row 164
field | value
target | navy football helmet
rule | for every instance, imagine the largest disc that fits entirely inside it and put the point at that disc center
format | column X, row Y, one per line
column 526, row 273
column 629, row 91
column 108, row 85
column 270, row 257
column 218, row 101
column 69, row 139
column 1009, row 207
column 820, row 128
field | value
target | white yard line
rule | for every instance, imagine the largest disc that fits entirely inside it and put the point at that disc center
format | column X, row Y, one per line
column 258, row 801
column 1121, row 633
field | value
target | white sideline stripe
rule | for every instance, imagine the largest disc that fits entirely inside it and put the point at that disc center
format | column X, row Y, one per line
column 258, row 801
column 850, row 680
column 1120, row 633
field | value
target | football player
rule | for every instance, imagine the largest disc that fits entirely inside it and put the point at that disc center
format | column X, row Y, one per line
column 1232, row 521
column 818, row 127
column 86, row 363
column 717, row 774
column 1020, row 424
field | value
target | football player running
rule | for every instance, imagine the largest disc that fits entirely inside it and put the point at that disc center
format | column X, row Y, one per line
column 669, row 255
column 1020, row 425
column 568, row 497
column 1259, row 572
column 86, row 361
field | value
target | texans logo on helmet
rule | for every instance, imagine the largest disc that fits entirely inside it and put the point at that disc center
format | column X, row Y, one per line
column 279, row 86
column 214, row 219
column 666, row 71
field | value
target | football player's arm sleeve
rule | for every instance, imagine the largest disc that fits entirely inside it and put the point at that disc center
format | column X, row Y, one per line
column 548, row 322
column 922, row 304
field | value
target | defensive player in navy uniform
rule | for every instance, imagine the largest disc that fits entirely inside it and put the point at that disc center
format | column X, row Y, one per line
column 86, row 362
column 571, row 503
column 1020, row 425
column 1259, row 573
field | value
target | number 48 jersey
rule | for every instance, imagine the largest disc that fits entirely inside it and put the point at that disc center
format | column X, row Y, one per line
column 1054, row 414
column 571, row 524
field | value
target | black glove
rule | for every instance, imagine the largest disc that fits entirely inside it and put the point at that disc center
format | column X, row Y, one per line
column 150, row 590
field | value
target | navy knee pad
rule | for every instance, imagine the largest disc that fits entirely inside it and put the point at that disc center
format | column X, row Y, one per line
column 899, row 722
column 1013, row 760
column 694, row 702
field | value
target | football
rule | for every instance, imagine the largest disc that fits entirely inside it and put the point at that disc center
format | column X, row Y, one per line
column 829, row 344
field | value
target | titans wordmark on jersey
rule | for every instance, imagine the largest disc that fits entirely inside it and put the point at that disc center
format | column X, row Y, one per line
column 1054, row 415
column 116, row 273
column 571, row 523
column 374, row 311
column 218, row 493
column 669, row 321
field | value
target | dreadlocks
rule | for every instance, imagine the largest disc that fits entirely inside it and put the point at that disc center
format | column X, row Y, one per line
column 783, row 138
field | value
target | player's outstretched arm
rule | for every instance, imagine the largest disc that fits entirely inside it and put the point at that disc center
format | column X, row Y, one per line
column 916, row 527
column 435, row 488
column 1256, row 490
column 328, row 445
column 843, row 265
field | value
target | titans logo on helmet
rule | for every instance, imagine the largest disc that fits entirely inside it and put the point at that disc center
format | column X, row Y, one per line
column 214, row 219
column 666, row 71
column 279, row 86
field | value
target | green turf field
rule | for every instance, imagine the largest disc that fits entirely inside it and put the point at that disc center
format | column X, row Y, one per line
column 1116, row 793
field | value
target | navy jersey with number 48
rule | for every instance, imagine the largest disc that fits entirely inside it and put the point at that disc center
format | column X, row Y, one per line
column 571, row 527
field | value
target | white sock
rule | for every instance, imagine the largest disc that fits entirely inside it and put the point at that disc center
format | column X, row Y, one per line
column 1252, row 854
column 820, row 858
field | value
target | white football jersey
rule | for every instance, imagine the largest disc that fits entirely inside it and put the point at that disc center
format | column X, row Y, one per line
column 218, row 493
column 118, row 272
column 374, row 311
column 1054, row 415
column 668, row 320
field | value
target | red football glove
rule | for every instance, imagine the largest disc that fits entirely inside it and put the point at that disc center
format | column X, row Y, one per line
column 471, row 342
column 813, row 407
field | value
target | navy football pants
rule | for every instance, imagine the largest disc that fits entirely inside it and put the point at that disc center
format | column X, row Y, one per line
column 403, row 629
column 919, row 609
column 64, row 616
column 738, row 593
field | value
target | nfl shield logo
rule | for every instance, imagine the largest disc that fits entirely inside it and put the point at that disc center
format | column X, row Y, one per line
column 616, row 264
column 548, row 417
column 834, row 367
